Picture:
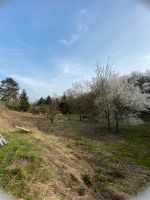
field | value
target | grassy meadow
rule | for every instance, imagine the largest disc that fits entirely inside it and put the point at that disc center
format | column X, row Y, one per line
column 72, row 160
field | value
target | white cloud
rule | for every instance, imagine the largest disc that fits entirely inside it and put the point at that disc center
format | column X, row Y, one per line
column 141, row 62
column 74, row 69
column 81, row 28
column 145, row 58
column 70, row 69
column 39, row 88
column 67, row 71
column 82, row 22
column 83, row 12
column 73, row 39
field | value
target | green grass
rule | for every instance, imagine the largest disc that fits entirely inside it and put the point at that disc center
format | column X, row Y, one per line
column 137, row 144
column 21, row 165
column 64, row 154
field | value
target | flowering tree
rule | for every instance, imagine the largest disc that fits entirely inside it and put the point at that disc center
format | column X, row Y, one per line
column 124, row 99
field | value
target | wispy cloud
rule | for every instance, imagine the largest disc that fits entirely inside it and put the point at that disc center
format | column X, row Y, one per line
column 82, row 27
column 24, row 44
column 39, row 88
column 74, row 69
column 71, row 69
column 145, row 58
column 73, row 39
column 82, row 21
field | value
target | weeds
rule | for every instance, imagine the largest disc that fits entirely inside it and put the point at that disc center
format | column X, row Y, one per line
column 87, row 179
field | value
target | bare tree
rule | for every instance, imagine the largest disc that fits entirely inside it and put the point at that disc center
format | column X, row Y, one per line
column 100, row 87
column 51, row 110
column 79, row 98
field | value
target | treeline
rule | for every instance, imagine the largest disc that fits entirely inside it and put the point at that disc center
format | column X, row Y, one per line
column 107, row 95
column 62, row 105
column 51, row 106
column 111, row 97
column 10, row 96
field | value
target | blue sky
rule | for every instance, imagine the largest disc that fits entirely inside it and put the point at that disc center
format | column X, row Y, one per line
column 47, row 44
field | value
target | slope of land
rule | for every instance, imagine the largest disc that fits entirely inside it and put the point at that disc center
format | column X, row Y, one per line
column 71, row 160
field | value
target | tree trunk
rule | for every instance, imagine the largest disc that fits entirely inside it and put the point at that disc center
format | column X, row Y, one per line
column 109, row 125
column 52, row 120
column 108, row 121
column 117, row 124
column 80, row 117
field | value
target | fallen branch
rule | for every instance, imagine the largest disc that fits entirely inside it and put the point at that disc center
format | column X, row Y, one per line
column 2, row 141
column 22, row 129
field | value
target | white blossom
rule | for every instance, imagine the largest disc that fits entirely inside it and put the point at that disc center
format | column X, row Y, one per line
column 124, row 99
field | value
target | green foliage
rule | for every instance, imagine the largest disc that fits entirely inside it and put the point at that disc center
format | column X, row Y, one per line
column 34, row 109
column 21, row 166
column 94, row 146
column 87, row 179
column 48, row 100
column 137, row 144
column 41, row 101
column 24, row 102
column 9, row 90
column 44, row 101
column 100, row 177
column 64, row 107
column 27, row 161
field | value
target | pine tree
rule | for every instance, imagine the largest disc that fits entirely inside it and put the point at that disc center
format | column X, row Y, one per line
column 41, row 101
column 48, row 101
column 9, row 90
column 64, row 105
column 24, row 102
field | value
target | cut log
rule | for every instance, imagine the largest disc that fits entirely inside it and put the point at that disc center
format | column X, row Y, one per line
column 22, row 129
column 2, row 141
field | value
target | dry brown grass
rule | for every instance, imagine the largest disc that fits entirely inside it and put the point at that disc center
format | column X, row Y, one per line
column 66, row 154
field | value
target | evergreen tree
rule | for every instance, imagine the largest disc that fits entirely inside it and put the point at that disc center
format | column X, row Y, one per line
column 41, row 101
column 24, row 102
column 9, row 90
column 64, row 98
column 48, row 100
column 64, row 106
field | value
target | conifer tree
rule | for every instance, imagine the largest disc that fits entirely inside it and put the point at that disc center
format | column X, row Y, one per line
column 24, row 102
column 48, row 100
column 9, row 90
